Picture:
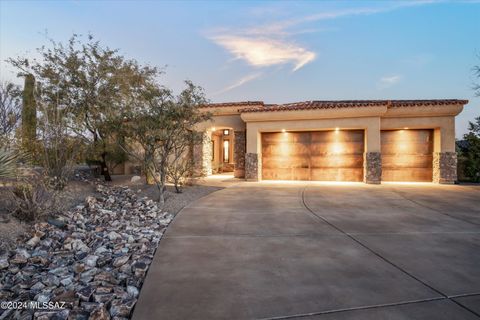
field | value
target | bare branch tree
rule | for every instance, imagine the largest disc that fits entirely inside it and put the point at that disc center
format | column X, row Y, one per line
column 10, row 111
column 161, row 124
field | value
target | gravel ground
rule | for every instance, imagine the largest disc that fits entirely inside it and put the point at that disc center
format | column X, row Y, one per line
column 75, row 193
column 174, row 202
column 12, row 229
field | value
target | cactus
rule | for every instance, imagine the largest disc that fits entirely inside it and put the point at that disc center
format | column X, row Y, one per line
column 29, row 114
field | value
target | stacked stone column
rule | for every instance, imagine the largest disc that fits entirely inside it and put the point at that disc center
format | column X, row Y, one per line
column 373, row 167
column 252, row 166
column 202, row 155
column 445, row 167
column 239, row 154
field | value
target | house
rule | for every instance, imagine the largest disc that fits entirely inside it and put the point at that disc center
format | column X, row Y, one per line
column 359, row 140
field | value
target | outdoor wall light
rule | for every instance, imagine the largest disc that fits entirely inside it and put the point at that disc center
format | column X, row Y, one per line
column 226, row 132
column 283, row 130
column 336, row 130
column 213, row 129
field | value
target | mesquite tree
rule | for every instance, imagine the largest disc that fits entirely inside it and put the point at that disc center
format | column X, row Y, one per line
column 160, row 124
column 93, row 84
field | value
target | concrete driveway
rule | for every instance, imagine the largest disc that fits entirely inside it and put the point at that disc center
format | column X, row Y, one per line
column 320, row 251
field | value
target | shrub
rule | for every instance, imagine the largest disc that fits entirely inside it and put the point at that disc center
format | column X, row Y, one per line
column 32, row 199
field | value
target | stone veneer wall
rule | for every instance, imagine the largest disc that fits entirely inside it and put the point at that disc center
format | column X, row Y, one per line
column 239, row 154
column 252, row 168
column 445, row 167
column 202, row 156
column 373, row 167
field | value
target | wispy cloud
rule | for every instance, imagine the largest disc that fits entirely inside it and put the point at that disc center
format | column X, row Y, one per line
column 282, row 27
column 265, row 52
column 239, row 82
column 388, row 81
column 272, row 44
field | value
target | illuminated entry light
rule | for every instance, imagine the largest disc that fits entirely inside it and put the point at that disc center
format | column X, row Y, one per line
column 337, row 129
column 283, row 130
column 406, row 128
column 213, row 128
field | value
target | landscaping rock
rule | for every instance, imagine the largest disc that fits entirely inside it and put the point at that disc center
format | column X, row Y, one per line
column 4, row 263
column 100, row 313
column 94, row 257
column 135, row 179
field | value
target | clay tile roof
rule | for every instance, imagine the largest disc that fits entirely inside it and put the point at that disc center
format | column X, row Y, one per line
column 437, row 102
column 232, row 104
column 307, row 105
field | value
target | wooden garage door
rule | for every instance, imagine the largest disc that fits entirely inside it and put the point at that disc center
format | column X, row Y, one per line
column 407, row 155
column 313, row 155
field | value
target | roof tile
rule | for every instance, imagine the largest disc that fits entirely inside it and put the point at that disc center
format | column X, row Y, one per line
column 307, row 105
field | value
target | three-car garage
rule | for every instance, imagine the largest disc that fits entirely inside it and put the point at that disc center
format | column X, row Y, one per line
column 338, row 155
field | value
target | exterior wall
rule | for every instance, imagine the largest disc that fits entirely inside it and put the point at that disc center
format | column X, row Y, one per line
column 239, row 154
column 372, row 119
column 445, row 167
column 202, row 156
column 253, row 167
column 234, row 122
column 372, row 163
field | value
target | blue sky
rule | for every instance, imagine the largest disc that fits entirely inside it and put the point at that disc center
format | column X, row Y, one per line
column 277, row 52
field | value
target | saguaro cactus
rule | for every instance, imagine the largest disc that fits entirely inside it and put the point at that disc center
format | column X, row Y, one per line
column 29, row 114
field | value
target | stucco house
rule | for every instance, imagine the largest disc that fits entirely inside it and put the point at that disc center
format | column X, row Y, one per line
column 361, row 140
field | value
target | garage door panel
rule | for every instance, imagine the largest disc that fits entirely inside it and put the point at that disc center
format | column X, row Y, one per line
column 338, row 161
column 293, row 137
column 407, row 155
column 410, row 136
column 337, row 174
column 400, row 148
column 286, row 149
column 406, row 161
column 409, row 175
column 322, row 155
column 285, row 162
column 286, row 174
column 341, row 136
column 333, row 148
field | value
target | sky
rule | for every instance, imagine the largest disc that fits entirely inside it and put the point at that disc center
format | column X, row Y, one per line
column 273, row 51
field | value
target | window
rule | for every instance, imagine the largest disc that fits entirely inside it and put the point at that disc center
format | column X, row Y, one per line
column 226, row 151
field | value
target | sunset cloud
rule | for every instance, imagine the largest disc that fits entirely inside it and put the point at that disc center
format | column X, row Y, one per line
column 265, row 52
column 240, row 82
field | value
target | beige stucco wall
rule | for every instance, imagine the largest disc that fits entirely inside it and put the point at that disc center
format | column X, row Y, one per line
column 223, row 122
column 330, row 113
